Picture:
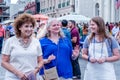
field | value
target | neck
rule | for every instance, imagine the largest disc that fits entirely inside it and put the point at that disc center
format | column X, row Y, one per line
column 54, row 36
column 98, row 37
column 25, row 39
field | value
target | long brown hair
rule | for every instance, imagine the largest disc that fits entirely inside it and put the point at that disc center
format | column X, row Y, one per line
column 101, row 28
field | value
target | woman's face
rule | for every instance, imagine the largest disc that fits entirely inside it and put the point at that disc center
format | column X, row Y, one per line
column 69, row 24
column 93, row 27
column 26, row 29
column 54, row 27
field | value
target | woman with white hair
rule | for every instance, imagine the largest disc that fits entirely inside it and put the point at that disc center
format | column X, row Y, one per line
column 57, row 50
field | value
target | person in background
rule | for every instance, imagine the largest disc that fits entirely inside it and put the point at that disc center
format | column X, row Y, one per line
column 22, row 54
column 76, row 45
column 2, row 36
column 100, row 50
column 117, row 37
column 115, row 29
column 10, row 30
column 41, row 29
column 111, row 25
column 84, row 31
column 65, row 29
column 57, row 50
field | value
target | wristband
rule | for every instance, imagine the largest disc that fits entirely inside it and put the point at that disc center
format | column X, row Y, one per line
column 88, row 58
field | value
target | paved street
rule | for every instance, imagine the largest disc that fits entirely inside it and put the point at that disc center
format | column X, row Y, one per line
column 82, row 66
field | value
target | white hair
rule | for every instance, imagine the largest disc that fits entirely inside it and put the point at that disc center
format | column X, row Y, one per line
column 44, row 32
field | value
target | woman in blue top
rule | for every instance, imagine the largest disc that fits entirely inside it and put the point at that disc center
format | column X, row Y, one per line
column 57, row 50
column 100, row 50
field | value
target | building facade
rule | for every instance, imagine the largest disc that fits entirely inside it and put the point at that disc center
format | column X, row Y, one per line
column 90, row 8
column 57, row 8
column 4, row 11
column 22, row 6
column 103, row 8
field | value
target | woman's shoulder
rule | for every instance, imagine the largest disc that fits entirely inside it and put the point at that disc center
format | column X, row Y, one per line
column 13, row 38
column 65, row 39
column 43, row 39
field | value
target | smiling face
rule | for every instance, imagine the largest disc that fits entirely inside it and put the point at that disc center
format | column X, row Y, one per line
column 54, row 27
column 26, row 29
column 93, row 27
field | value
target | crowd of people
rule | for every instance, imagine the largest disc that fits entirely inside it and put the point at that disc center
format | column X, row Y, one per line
column 29, row 50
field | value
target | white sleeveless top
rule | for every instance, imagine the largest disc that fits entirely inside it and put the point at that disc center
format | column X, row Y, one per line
column 96, row 71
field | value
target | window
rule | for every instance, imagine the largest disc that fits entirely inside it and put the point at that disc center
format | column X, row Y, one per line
column 96, row 9
column 59, row 5
column 68, row 3
column 63, row 4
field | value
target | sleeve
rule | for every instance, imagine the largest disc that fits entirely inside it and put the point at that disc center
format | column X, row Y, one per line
column 75, row 33
column 39, row 50
column 7, row 47
column 114, row 43
column 86, row 43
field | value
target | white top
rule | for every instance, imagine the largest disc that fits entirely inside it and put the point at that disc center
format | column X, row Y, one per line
column 96, row 71
column 115, row 30
column 23, row 59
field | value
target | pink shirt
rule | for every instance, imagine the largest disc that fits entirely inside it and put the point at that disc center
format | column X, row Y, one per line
column 2, row 32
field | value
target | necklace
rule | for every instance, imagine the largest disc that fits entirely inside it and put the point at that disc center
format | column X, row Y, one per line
column 25, row 43
column 101, row 52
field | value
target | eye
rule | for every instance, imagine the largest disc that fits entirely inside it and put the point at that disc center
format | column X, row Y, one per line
column 26, row 26
column 55, row 25
column 92, row 24
column 31, row 26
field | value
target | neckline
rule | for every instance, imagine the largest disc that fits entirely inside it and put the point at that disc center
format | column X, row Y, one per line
column 25, row 46
column 53, row 41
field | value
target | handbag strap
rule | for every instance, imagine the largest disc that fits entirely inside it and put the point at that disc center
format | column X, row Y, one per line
column 56, row 55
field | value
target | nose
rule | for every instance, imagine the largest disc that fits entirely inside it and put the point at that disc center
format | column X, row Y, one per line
column 30, row 28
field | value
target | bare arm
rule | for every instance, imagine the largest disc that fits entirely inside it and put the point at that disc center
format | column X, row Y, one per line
column 115, row 57
column 50, row 58
column 5, row 63
column 86, row 57
column 40, row 64
column 85, row 54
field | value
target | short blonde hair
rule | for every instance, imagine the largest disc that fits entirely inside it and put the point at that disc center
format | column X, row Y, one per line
column 20, row 20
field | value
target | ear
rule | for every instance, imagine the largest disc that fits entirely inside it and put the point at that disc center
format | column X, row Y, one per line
column 48, row 29
column 20, row 28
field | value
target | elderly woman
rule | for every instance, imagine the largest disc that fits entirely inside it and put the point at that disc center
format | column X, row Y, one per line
column 22, row 55
column 57, row 50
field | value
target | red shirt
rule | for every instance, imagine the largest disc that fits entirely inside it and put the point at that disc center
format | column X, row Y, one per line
column 2, row 32
column 75, row 33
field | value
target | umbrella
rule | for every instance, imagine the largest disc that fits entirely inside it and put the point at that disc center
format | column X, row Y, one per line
column 7, row 21
column 77, row 18
column 40, row 17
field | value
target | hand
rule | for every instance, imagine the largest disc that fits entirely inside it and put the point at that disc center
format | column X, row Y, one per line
column 93, row 60
column 51, row 57
column 75, row 53
column 101, row 60
column 36, row 71
column 22, row 76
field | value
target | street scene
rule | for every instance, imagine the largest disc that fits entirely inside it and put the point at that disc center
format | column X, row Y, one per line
column 82, row 67
column 59, row 39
